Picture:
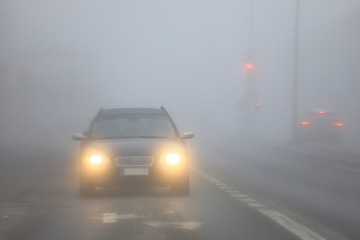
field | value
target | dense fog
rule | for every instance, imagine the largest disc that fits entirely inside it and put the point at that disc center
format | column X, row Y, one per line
column 60, row 61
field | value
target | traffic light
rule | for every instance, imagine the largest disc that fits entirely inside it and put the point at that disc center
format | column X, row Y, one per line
column 24, row 75
column 250, row 65
column 257, row 107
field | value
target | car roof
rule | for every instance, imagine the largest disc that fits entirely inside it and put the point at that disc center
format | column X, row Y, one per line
column 119, row 111
column 319, row 110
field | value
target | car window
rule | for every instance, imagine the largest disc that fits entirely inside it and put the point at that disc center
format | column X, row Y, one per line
column 128, row 126
column 321, row 117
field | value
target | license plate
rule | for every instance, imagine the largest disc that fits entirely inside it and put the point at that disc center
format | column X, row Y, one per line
column 135, row 171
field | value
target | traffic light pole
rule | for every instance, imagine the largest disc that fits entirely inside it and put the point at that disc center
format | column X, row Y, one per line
column 253, row 99
column 295, row 80
column 251, row 94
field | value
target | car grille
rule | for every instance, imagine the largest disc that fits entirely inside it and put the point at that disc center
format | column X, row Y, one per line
column 134, row 161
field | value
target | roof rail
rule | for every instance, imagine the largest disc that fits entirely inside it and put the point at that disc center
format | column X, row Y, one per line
column 99, row 111
column 162, row 107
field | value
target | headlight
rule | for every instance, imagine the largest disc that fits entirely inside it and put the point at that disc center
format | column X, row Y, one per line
column 173, row 159
column 95, row 157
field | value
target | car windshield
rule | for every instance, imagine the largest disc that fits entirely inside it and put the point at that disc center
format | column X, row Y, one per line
column 133, row 126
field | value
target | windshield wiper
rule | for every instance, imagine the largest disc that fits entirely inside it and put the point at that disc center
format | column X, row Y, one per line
column 129, row 137
column 109, row 138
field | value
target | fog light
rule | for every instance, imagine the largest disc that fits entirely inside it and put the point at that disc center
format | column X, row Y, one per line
column 173, row 159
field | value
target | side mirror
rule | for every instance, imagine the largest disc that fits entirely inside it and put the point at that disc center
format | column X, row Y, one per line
column 78, row 137
column 188, row 135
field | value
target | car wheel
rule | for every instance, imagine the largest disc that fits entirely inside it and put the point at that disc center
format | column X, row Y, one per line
column 86, row 189
column 182, row 187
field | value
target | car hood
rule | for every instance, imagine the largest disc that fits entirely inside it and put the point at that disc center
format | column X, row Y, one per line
column 136, row 146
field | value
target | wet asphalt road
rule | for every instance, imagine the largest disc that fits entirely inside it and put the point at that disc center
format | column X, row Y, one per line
column 237, row 192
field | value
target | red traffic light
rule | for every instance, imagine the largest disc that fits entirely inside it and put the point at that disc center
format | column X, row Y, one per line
column 249, row 66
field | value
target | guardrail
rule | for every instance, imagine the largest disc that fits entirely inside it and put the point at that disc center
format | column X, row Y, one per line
column 346, row 159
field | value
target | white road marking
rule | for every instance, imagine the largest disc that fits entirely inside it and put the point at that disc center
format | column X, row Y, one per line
column 232, row 191
column 239, row 195
column 169, row 212
column 247, row 200
column 181, row 225
column 109, row 217
column 296, row 228
column 215, row 181
column 256, row 205
column 113, row 217
column 212, row 178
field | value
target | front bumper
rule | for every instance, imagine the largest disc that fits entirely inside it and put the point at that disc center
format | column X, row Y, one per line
column 160, row 175
column 320, row 134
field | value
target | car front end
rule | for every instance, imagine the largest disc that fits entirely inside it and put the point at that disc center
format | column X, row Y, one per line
column 139, row 168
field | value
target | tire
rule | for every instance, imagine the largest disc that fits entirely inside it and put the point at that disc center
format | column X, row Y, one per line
column 86, row 189
column 182, row 187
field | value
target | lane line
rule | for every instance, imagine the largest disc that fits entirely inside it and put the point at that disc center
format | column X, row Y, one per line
column 212, row 178
column 181, row 225
column 239, row 195
column 256, row 205
column 294, row 227
column 232, row 191
column 247, row 200
column 113, row 217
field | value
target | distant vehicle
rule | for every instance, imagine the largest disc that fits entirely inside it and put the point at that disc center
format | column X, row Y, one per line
column 321, row 125
column 133, row 147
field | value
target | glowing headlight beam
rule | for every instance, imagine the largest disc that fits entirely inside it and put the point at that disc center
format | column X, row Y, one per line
column 95, row 159
column 173, row 159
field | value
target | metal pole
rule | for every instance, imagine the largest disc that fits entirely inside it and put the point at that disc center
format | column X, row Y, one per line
column 251, row 23
column 253, row 112
column 295, row 80
column 251, row 78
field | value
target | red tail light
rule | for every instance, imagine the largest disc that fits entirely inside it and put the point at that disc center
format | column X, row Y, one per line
column 305, row 123
column 321, row 111
column 338, row 124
